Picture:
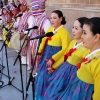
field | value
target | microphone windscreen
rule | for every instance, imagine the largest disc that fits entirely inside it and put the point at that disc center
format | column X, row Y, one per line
column 49, row 34
column 20, row 15
column 35, row 27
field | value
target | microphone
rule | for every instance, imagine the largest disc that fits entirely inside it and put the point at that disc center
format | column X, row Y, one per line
column 34, row 27
column 49, row 34
column 18, row 16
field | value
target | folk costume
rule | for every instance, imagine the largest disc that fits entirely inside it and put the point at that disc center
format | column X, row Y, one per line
column 51, row 48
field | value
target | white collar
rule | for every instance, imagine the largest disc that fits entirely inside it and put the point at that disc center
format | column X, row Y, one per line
column 95, row 51
column 75, row 46
column 54, row 31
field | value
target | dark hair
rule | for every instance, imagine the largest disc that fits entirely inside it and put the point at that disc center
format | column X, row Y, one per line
column 82, row 20
column 60, row 14
column 94, row 24
column 5, row 9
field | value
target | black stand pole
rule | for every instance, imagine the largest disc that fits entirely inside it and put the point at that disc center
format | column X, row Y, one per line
column 2, row 61
column 1, row 68
column 19, row 57
column 1, row 71
column 9, row 78
column 31, row 78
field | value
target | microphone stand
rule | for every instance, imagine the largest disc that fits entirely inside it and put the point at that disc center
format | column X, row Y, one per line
column 2, row 61
column 31, row 78
column 19, row 57
column 1, row 68
column 9, row 78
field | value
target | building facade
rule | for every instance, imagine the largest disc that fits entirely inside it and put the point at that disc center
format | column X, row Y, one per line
column 72, row 9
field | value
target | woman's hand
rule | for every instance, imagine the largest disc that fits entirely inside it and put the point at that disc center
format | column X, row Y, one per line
column 50, row 70
column 49, row 63
column 21, row 35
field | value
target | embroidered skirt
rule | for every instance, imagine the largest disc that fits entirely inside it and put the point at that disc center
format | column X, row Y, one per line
column 79, row 90
column 42, row 79
column 60, row 79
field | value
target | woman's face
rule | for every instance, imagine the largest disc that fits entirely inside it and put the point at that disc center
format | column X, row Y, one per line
column 14, row 12
column 77, row 30
column 23, row 8
column 55, row 20
column 4, row 11
column 88, row 37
